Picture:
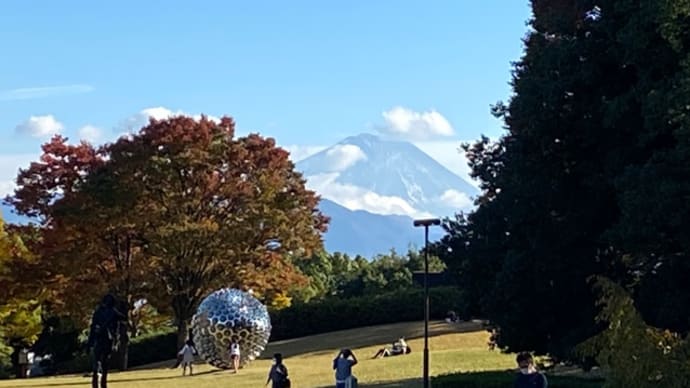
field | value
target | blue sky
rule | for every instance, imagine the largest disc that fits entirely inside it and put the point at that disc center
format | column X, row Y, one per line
column 306, row 72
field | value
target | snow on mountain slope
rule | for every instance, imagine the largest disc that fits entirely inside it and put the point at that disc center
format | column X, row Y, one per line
column 366, row 172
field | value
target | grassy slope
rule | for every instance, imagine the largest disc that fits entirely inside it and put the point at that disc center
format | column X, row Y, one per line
column 458, row 347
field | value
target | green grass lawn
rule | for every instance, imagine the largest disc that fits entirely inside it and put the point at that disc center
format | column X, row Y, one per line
column 453, row 347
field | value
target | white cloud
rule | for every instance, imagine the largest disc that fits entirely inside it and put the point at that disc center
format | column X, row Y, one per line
column 408, row 124
column 342, row 156
column 6, row 188
column 357, row 198
column 141, row 118
column 457, row 199
column 90, row 133
column 40, row 126
column 9, row 168
column 298, row 152
column 43, row 91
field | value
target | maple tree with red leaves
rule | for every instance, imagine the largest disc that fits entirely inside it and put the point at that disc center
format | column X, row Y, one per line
column 85, row 244
column 170, row 213
column 219, row 211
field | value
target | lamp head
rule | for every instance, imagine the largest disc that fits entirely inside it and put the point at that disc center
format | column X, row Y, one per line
column 427, row 222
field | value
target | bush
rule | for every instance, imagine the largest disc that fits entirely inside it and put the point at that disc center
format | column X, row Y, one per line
column 506, row 379
column 306, row 319
column 333, row 314
column 5, row 363
column 153, row 347
column 634, row 354
column 79, row 363
column 144, row 349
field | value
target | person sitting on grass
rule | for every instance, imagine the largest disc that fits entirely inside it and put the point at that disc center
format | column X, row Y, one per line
column 529, row 377
column 399, row 347
column 452, row 317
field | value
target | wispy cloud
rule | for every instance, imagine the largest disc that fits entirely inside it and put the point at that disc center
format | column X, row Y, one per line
column 43, row 92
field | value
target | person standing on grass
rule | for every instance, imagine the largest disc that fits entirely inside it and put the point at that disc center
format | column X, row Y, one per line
column 23, row 361
column 342, row 365
column 529, row 377
column 235, row 354
column 278, row 373
column 186, row 355
column 178, row 360
column 102, row 338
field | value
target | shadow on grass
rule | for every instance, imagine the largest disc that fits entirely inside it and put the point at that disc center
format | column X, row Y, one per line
column 407, row 383
column 115, row 379
column 382, row 335
column 506, row 379
column 366, row 336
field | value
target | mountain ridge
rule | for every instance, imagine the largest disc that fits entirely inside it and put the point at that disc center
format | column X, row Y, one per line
column 399, row 172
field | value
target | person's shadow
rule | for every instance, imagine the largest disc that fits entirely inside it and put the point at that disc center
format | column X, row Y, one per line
column 113, row 378
column 407, row 383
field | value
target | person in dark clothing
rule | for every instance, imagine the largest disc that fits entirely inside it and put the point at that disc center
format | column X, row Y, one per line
column 342, row 365
column 529, row 377
column 278, row 373
column 102, row 338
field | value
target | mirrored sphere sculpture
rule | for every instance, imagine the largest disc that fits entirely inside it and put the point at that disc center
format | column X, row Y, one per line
column 230, row 314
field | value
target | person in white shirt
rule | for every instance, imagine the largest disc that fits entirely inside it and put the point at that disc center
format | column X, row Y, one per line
column 399, row 347
column 187, row 356
column 235, row 355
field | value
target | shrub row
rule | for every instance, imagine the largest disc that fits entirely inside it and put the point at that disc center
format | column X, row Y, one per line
column 338, row 314
column 497, row 379
column 151, row 348
column 308, row 319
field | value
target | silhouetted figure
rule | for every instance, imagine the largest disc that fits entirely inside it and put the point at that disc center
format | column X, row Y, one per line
column 278, row 374
column 102, row 338
column 528, row 377
column 23, row 361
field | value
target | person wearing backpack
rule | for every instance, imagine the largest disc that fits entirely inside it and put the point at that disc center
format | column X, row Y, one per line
column 103, row 335
column 342, row 365
column 278, row 373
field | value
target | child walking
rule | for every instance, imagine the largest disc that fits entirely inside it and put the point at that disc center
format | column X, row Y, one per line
column 187, row 354
column 235, row 354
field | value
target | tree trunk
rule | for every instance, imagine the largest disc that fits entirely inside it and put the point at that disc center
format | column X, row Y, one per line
column 14, row 360
column 121, row 357
column 181, row 332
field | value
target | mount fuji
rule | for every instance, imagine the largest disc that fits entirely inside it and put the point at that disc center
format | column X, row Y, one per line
column 372, row 188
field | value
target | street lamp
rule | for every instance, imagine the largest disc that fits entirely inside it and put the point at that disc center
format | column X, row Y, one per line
column 426, row 223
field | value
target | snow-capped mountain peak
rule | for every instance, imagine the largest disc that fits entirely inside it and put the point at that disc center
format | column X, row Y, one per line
column 366, row 172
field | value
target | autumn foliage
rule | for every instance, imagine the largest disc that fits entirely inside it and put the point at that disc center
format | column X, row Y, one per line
column 169, row 214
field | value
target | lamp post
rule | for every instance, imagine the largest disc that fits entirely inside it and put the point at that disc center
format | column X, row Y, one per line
column 426, row 223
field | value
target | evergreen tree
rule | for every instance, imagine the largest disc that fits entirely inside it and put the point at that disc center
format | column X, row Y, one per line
column 599, row 113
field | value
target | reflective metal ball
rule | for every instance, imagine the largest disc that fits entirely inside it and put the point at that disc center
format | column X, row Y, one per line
column 226, row 315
